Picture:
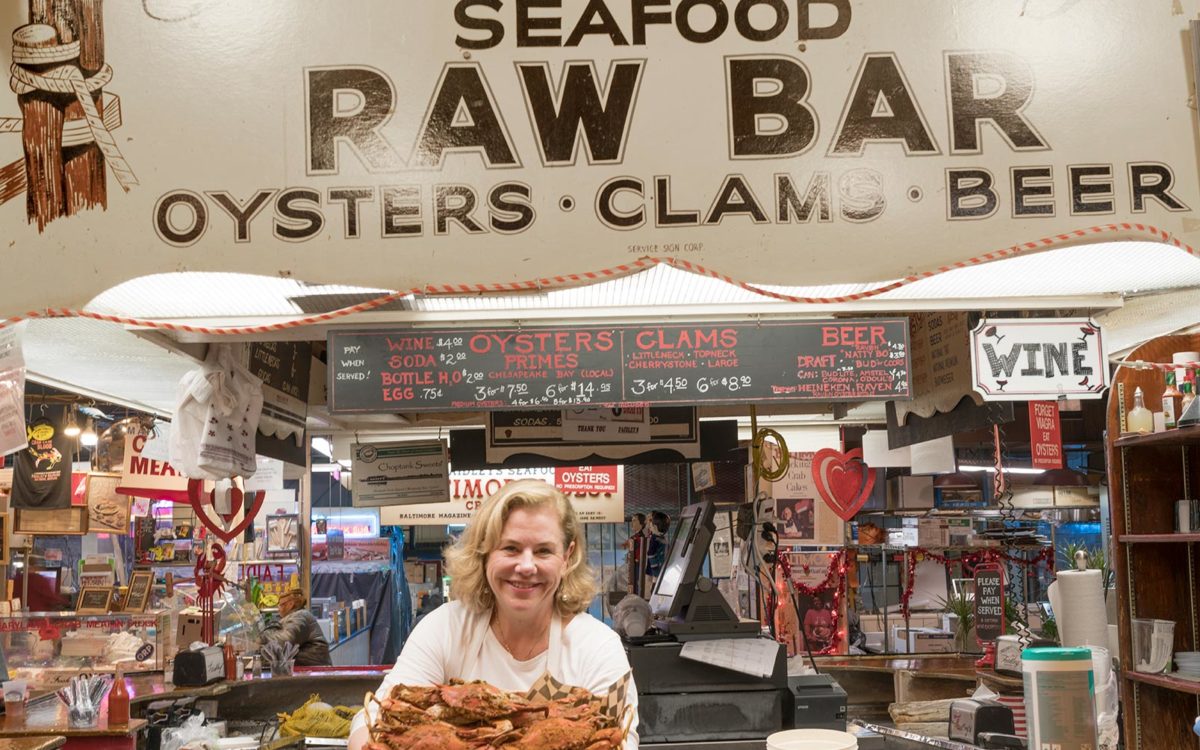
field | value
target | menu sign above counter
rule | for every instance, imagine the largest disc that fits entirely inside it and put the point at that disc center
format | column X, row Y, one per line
column 522, row 368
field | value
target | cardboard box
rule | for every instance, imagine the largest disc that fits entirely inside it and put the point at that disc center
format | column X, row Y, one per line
column 933, row 532
column 923, row 641
column 903, row 537
column 1032, row 496
column 1076, row 497
column 959, row 532
column 910, row 492
column 414, row 572
column 189, row 629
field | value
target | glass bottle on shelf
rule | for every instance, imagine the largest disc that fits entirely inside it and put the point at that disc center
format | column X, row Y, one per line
column 1188, row 397
column 118, row 700
column 230, row 659
column 1139, row 419
column 1172, row 401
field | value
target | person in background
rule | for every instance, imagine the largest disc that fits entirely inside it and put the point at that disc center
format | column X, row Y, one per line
column 297, row 625
column 429, row 602
column 42, row 595
column 656, row 546
column 520, row 586
column 639, row 537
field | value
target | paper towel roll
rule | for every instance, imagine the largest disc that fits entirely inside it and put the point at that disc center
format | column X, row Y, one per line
column 1180, row 358
column 1078, row 601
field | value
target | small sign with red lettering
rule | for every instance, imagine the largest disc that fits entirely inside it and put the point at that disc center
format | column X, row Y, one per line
column 468, row 490
column 586, row 479
column 1045, row 435
column 150, row 477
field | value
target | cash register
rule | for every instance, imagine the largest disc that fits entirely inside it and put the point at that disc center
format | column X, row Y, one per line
column 683, row 700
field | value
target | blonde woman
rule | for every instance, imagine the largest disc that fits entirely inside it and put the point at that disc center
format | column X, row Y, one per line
column 520, row 587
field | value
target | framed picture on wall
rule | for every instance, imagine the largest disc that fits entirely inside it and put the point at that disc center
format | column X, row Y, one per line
column 71, row 521
column 108, row 511
column 283, row 533
column 139, row 591
column 93, row 601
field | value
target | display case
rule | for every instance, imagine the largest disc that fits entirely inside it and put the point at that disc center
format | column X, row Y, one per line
column 48, row 648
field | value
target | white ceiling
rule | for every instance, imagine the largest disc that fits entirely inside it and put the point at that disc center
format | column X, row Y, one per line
column 139, row 366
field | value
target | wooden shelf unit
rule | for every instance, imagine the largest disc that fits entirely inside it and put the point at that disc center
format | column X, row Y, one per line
column 1157, row 570
column 1166, row 681
column 1156, row 538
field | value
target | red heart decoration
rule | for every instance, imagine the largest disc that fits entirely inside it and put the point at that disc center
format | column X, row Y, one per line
column 201, row 501
column 843, row 481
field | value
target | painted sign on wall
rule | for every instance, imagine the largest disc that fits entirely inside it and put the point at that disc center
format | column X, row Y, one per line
column 459, row 143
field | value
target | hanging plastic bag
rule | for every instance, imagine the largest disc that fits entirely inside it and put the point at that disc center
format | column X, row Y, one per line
column 216, row 418
column 12, row 391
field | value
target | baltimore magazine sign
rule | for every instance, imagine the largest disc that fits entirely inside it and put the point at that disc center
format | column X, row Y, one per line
column 403, row 143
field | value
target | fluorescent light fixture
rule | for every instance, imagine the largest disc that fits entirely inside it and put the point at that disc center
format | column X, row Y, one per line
column 1007, row 470
column 322, row 445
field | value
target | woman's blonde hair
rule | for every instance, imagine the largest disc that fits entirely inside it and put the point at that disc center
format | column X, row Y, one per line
column 466, row 559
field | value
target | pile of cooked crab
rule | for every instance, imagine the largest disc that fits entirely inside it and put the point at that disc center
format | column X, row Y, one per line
column 466, row 715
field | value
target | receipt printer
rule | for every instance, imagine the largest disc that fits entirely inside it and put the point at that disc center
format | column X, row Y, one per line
column 817, row 702
column 200, row 667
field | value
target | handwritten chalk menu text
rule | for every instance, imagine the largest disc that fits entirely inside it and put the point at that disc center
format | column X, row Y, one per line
column 520, row 368
column 989, row 604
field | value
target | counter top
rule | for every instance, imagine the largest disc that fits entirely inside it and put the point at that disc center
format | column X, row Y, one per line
column 952, row 667
column 49, row 717
column 32, row 743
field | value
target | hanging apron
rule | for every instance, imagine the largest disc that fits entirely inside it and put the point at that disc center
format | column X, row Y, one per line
column 477, row 629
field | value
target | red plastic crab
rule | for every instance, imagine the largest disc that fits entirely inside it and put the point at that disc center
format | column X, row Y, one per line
column 210, row 581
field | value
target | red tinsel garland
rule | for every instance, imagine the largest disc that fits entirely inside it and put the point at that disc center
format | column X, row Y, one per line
column 969, row 561
column 835, row 580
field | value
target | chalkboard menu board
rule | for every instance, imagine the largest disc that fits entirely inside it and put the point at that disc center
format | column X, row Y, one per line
column 989, row 604
column 524, row 368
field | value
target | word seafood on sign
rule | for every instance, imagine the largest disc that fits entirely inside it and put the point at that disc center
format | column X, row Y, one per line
column 1046, row 358
column 743, row 136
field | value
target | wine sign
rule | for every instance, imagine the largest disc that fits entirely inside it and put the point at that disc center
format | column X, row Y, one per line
column 1028, row 359
column 989, row 603
column 529, row 368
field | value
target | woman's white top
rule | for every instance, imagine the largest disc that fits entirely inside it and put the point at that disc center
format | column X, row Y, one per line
column 454, row 642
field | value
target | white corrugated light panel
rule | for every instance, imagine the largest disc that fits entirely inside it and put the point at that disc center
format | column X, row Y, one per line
column 1113, row 267
column 104, row 358
column 104, row 361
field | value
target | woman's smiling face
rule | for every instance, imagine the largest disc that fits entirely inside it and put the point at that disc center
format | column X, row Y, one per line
column 528, row 563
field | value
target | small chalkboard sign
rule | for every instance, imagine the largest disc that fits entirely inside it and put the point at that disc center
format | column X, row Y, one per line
column 989, row 603
column 93, row 600
column 139, row 591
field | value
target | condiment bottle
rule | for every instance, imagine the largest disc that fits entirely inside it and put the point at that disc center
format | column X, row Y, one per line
column 1188, row 398
column 230, row 659
column 118, row 701
column 1172, row 401
column 1139, row 419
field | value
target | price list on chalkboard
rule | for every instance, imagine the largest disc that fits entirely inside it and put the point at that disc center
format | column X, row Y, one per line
column 523, row 368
